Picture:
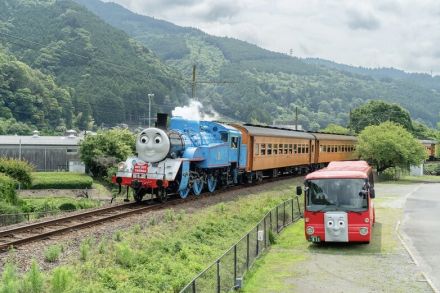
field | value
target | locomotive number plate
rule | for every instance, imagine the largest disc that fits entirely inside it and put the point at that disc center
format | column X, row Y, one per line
column 315, row 239
column 140, row 168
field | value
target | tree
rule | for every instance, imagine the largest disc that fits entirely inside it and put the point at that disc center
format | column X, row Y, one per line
column 103, row 150
column 334, row 128
column 389, row 145
column 377, row 112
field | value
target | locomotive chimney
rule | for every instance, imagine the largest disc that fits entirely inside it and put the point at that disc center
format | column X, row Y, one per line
column 161, row 121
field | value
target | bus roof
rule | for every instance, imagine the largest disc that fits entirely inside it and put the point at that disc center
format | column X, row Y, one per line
column 341, row 170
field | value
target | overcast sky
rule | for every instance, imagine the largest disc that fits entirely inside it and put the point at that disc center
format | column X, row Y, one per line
column 382, row 33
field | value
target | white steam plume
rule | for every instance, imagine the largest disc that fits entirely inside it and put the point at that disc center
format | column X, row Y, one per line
column 194, row 111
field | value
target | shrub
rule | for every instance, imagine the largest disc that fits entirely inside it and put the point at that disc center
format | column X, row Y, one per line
column 272, row 239
column 118, row 236
column 52, row 253
column 84, row 250
column 33, row 280
column 10, row 283
column 67, row 206
column 61, row 180
column 61, row 280
column 124, row 255
column 10, row 214
column 7, row 190
column 18, row 170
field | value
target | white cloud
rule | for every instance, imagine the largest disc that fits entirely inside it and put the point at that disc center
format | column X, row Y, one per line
column 377, row 33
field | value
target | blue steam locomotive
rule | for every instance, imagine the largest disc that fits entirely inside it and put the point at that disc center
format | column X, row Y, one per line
column 189, row 155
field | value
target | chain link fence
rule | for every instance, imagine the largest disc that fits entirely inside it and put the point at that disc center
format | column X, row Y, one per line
column 10, row 219
column 226, row 273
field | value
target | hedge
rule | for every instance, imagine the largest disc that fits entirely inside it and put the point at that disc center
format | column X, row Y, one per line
column 60, row 180
column 18, row 170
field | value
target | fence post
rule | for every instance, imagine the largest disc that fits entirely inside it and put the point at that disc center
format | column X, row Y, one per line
column 284, row 214
column 264, row 231
column 291, row 203
column 277, row 220
column 194, row 286
column 247, row 251
column 235, row 264
column 258, row 228
column 218, row 276
column 270, row 220
column 299, row 209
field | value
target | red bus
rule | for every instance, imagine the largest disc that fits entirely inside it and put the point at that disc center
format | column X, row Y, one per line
column 338, row 203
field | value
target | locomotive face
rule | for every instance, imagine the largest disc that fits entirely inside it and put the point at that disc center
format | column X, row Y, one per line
column 152, row 145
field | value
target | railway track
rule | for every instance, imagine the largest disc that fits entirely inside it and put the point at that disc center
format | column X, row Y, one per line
column 41, row 230
column 37, row 231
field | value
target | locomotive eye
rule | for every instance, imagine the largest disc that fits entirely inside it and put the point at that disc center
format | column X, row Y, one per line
column 158, row 140
column 144, row 139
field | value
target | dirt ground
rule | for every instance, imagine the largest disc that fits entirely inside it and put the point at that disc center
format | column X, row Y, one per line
column 384, row 265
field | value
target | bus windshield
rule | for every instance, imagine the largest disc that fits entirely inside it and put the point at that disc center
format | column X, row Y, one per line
column 337, row 195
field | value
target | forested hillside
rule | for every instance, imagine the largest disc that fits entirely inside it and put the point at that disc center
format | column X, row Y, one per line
column 102, row 74
column 268, row 85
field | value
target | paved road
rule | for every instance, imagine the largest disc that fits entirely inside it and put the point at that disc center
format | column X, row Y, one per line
column 421, row 226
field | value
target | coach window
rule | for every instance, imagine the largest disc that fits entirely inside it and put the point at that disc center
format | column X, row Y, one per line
column 290, row 148
column 303, row 148
column 269, row 149
column 263, row 149
column 257, row 149
column 307, row 149
column 286, row 148
column 295, row 149
column 275, row 149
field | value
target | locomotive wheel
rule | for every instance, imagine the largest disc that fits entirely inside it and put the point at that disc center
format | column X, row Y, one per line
column 162, row 194
column 212, row 183
column 184, row 193
column 197, row 186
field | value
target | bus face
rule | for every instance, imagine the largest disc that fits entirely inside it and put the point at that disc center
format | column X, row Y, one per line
column 338, row 210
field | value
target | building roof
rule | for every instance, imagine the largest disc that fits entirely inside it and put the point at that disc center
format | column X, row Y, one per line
column 428, row 141
column 16, row 140
column 342, row 170
column 273, row 131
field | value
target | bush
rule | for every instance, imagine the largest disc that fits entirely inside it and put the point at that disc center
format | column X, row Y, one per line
column 67, row 206
column 61, row 280
column 18, row 170
column 52, row 253
column 10, row 282
column 33, row 280
column 60, row 180
column 432, row 169
column 7, row 190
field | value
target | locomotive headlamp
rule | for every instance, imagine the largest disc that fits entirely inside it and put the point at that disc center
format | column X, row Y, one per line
column 122, row 166
column 310, row 230
column 363, row 231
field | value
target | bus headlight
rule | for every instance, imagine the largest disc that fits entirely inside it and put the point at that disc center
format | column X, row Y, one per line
column 121, row 166
column 363, row 231
column 310, row 230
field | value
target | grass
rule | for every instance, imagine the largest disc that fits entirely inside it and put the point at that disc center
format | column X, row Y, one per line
column 275, row 270
column 60, row 180
column 164, row 256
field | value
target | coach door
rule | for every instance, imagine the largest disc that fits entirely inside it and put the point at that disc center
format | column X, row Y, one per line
column 312, row 151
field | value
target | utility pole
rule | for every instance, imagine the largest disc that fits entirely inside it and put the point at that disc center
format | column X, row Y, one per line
column 296, row 118
column 149, row 108
column 193, row 84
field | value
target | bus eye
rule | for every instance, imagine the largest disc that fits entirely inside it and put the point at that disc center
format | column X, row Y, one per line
column 330, row 223
column 341, row 223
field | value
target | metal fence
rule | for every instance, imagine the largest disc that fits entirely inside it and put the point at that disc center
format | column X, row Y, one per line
column 226, row 273
column 10, row 219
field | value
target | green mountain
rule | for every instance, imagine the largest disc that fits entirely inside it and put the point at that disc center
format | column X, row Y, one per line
column 254, row 84
column 105, row 74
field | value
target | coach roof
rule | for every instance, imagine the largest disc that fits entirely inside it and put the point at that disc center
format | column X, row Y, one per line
column 255, row 130
column 342, row 170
